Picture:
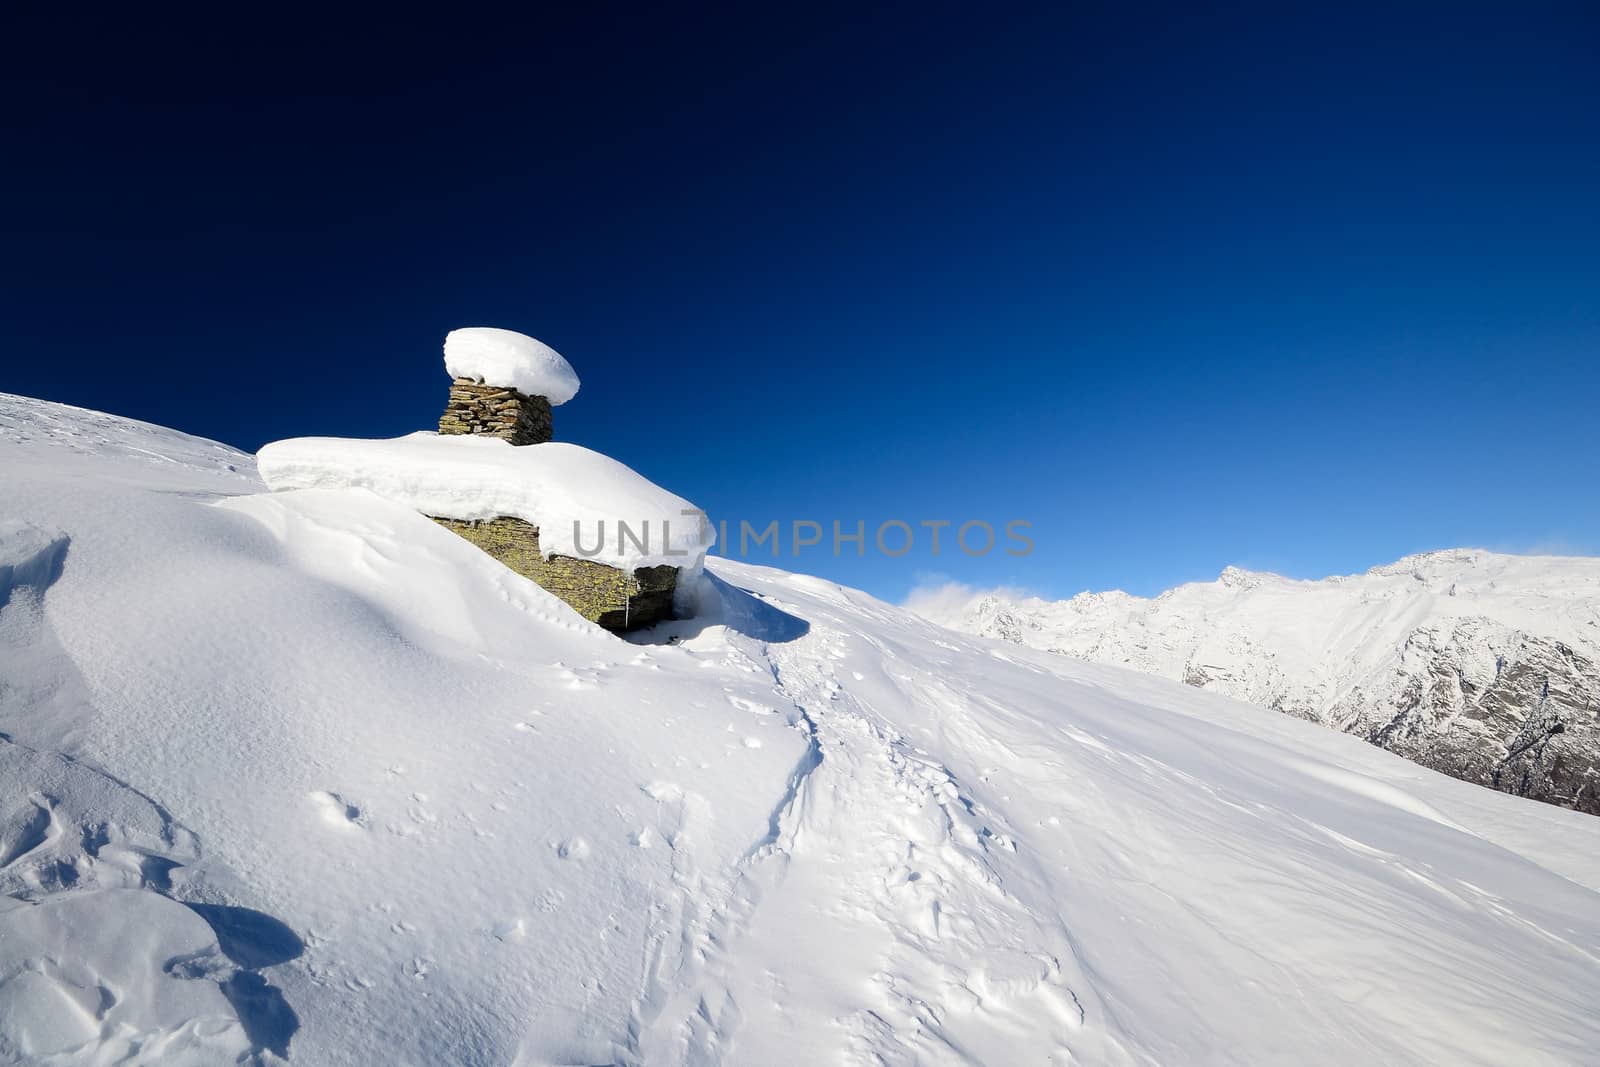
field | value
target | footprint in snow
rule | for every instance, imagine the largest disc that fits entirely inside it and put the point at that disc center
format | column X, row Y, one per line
column 574, row 848
column 754, row 707
column 338, row 812
column 579, row 678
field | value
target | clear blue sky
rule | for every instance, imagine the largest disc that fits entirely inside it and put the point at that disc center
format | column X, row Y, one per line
column 1298, row 291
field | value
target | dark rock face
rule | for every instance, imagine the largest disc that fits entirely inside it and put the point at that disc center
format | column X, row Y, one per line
column 494, row 411
column 605, row 595
column 1532, row 728
column 1471, row 698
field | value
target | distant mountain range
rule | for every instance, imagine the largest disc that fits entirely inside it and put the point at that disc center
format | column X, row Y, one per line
column 1480, row 665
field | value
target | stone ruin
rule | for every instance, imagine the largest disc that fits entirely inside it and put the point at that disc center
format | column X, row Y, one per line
column 600, row 593
column 605, row 595
column 496, row 411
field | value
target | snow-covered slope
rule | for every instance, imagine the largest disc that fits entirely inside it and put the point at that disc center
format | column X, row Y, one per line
column 304, row 775
column 1483, row 666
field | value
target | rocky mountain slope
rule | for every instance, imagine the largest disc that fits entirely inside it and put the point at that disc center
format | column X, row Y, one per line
column 1480, row 665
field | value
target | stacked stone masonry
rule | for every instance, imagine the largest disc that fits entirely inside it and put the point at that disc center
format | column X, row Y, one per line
column 604, row 595
column 496, row 411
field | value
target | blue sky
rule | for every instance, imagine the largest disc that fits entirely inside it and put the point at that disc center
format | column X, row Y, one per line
column 1302, row 292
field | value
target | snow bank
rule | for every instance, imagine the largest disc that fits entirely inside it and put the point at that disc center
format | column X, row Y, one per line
column 511, row 359
column 585, row 504
column 28, row 555
column 85, row 991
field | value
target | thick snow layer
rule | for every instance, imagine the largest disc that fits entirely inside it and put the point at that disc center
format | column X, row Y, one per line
column 85, row 990
column 511, row 359
column 585, row 504
column 427, row 815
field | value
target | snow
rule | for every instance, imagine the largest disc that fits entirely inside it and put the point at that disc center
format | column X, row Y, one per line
column 1309, row 647
column 585, row 504
column 510, row 359
column 28, row 555
column 320, row 778
column 85, row 982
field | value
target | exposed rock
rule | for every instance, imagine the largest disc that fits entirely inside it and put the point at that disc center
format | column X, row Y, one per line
column 496, row 411
column 1531, row 728
column 605, row 595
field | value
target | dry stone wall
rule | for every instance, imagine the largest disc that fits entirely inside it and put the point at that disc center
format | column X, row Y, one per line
column 496, row 411
column 605, row 595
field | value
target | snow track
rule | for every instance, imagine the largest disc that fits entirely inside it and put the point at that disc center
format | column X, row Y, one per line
column 1067, row 860
column 876, row 842
column 918, row 874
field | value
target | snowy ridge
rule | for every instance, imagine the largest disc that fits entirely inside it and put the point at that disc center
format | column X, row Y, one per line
column 1481, row 665
column 303, row 777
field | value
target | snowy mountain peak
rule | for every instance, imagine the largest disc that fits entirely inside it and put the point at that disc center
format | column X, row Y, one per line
column 1479, row 664
column 1444, row 564
column 1239, row 578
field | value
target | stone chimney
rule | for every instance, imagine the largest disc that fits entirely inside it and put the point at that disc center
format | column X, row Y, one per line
column 496, row 411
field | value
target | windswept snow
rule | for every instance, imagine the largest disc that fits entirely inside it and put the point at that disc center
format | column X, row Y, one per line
column 28, row 555
column 585, row 504
column 507, row 358
column 340, row 787
column 81, row 986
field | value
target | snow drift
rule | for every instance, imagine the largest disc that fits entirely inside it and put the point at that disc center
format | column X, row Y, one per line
column 585, row 504
column 303, row 775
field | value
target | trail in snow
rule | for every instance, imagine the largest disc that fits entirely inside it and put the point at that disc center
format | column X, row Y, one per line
column 310, row 742
column 1161, row 854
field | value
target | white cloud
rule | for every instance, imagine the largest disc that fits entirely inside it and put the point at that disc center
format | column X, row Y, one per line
column 939, row 597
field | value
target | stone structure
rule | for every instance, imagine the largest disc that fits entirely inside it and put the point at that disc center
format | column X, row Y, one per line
column 601, row 594
column 496, row 411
